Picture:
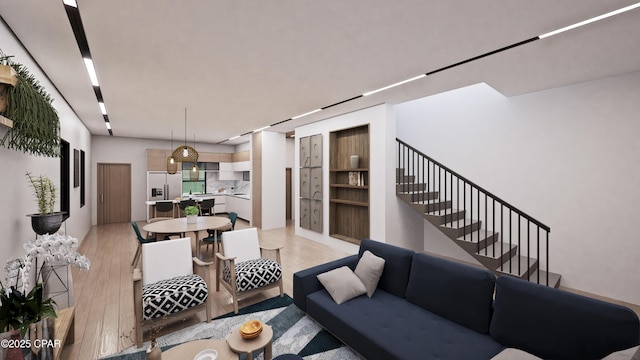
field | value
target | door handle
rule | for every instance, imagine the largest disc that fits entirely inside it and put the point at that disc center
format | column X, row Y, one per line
column 102, row 198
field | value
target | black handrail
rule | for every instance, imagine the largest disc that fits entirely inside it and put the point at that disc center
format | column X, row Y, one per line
column 543, row 226
column 410, row 157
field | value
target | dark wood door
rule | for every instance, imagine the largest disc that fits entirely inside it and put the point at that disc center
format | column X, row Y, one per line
column 288, row 193
column 114, row 193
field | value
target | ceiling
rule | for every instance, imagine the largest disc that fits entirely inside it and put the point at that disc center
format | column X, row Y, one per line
column 241, row 65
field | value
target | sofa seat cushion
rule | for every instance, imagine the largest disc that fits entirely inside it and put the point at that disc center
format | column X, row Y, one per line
column 253, row 274
column 555, row 324
column 173, row 295
column 389, row 327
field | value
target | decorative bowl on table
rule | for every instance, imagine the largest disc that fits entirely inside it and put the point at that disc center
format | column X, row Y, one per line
column 207, row 354
column 251, row 329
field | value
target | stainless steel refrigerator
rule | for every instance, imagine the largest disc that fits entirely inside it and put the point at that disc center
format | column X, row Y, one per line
column 163, row 186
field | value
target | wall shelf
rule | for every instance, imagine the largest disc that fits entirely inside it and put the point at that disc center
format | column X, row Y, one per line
column 349, row 202
column 349, row 199
column 365, row 187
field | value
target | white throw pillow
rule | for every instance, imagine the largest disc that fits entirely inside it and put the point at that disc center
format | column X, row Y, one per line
column 369, row 270
column 628, row 354
column 514, row 354
column 342, row 284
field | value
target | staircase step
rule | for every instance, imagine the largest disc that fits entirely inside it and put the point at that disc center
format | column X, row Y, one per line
column 439, row 217
column 457, row 228
column 470, row 241
column 418, row 196
column 410, row 187
column 495, row 254
column 554, row 279
column 520, row 271
column 401, row 178
column 429, row 206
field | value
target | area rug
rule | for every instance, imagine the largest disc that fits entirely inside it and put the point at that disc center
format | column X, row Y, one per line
column 293, row 333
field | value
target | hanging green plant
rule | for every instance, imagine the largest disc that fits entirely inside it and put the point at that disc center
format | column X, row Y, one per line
column 36, row 126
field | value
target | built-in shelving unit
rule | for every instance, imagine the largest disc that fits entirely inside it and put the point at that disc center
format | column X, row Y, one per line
column 349, row 187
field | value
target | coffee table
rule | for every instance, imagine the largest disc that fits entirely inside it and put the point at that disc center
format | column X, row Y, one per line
column 240, row 345
column 190, row 349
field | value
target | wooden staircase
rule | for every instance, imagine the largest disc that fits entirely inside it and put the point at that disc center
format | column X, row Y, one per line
column 452, row 212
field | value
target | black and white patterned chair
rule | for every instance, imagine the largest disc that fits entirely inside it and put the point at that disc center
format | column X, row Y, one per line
column 246, row 271
column 172, row 283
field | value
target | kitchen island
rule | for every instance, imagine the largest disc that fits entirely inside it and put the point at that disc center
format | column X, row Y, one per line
column 225, row 203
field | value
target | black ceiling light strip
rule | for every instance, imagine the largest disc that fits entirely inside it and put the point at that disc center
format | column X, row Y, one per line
column 482, row 56
column 73, row 13
column 78, row 30
column 342, row 102
column 280, row 122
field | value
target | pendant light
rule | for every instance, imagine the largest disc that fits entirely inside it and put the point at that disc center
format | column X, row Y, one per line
column 194, row 174
column 172, row 164
column 185, row 153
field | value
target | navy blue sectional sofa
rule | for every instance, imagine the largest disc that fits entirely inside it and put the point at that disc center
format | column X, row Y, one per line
column 429, row 308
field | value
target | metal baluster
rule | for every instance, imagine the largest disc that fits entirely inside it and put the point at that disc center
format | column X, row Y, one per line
column 519, row 247
column 493, row 227
column 510, row 239
column 538, row 253
column 528, row 250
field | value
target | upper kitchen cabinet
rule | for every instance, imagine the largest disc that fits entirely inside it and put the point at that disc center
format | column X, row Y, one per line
column 208, row 157
column 241, row 156
column 157, row 159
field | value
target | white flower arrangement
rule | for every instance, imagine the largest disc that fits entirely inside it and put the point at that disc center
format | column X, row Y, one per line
column 56, row 248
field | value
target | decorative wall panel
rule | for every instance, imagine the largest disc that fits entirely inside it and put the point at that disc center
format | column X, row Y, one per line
column 311, row 183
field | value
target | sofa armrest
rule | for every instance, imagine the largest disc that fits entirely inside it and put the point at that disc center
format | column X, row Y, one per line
column 305, row 282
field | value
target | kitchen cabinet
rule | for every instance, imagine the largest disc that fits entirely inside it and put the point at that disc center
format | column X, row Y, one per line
column 242, row 206
column 220, row 204
column 157, row 159
column 226, row 171
column 242, row 166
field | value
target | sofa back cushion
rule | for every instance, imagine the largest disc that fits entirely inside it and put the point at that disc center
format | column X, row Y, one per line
column 555, row 324
column 458, row 292
column 396, row 267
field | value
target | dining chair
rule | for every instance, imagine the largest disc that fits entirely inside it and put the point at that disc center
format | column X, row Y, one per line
column 184, row 203
column 141, row 240
column 216, row 235
column 172, row 283
column 163, row 207
column 206, row 207
column 246, row 270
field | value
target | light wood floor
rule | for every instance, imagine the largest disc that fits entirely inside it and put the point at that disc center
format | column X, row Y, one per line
column 104, row 294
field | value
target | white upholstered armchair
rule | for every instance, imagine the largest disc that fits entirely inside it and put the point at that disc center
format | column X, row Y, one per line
column 246, row 271
column 172, row 283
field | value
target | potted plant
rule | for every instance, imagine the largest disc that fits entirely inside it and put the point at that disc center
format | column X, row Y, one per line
column 36, row 126
column 23, row 310
column 191, row 212
column 46, row 221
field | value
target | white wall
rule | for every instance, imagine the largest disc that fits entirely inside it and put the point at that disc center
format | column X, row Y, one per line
column 273, row 180
column 108, row 149
column 17, row 200
column 386, row 223
column 566, row 156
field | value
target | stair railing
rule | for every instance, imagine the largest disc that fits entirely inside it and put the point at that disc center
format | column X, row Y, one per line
column 421, row 170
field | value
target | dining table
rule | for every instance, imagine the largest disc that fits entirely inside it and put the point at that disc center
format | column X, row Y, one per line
column 180, row 226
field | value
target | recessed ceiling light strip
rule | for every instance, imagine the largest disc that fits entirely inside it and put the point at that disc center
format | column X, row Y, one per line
column 71, row 8
column 394, row 85
column 592, row 20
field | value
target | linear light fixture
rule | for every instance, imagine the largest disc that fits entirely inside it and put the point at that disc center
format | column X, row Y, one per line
column 589, row 21
column 305, row 114
column 108, row 125
column 262, row 128
column 394, row 85
column 70, row 3
column 92, row 71
column 235, row 137
column 102, row 108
